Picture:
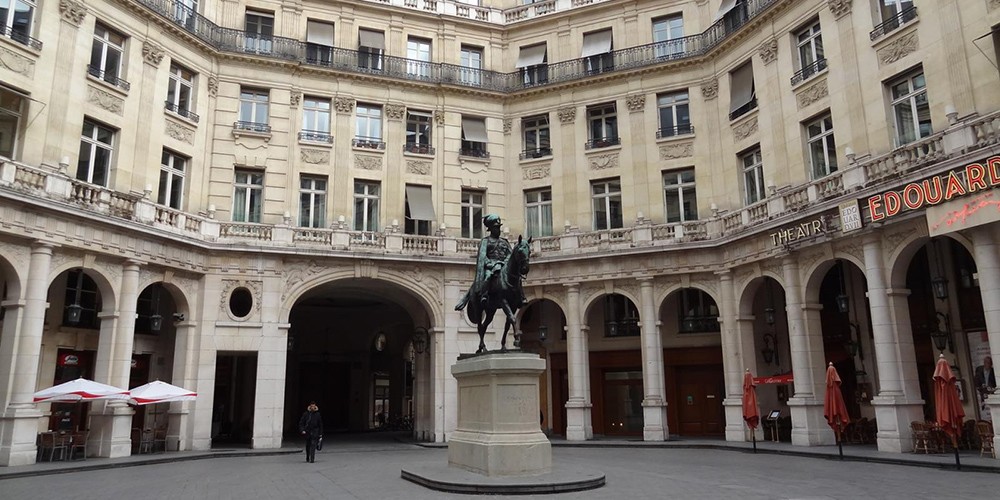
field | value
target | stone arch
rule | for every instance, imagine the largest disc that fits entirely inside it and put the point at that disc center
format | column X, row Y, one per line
column 12, row 273
column 898, row 263
column 676, row 287
column 593, row 299
column 105, row 284
column 814, row 277
column 177, row 294
column 749, row 287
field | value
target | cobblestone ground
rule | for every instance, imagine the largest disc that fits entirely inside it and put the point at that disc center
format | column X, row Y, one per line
column 371, row 470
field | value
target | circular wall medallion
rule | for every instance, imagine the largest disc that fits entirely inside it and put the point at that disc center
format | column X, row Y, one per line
column 240, row 302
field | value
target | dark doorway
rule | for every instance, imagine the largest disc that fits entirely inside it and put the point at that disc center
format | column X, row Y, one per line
column 329, row 385
column 623, row 402
column 235, row 386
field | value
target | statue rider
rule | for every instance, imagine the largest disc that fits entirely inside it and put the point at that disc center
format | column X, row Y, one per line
column 493, row 253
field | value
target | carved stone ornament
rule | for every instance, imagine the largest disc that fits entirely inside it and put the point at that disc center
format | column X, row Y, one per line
column 507, row 125
column 297, row 272
column 295, row 98
column 899, row 48
column 840, row 8
column 439, row 117
column 366, row 162
column 213, row 86
column 812, row 94
column 395, row 111
column 768, row 51
column 679, row 150
column 535, row 172
column 152, row 54
column 256, row 289
column 636, row 102
column 994, row 4
column 418, row 167
column 343, row 105
column 314, row 156
column 105, row 100
column 72, row 11
column 16, row 63
column 567, row 115
column 179, row 132
column 745, row 129
column 601, row 162
column 710, row 89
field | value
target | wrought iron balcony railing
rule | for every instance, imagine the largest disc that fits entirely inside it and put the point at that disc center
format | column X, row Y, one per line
column 893, row 23
column 420, row 149
column 675, row 131
column 808, row 71
column 20, row 37
column 368, row 62
column 368, row 143
column 108, row 77
column 602, row 142
column 315, row 136
column 528, row 154
column 744, row 109
column 260, row 128
column 186, row 113
column 474, row 151
column 699, row 324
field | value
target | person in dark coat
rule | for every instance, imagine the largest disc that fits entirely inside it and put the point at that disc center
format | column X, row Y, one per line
column 311, row 426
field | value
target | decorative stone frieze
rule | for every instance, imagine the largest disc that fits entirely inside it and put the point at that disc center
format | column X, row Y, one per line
column 213, row 86
column 366, row 162
column 314, row 156
column 605, row 161
column 418, row 167
column 535, row 172
column 636, row 102
column 295, row 98
column 395, row 111
column 507, row 125
column 179, row 132
column 16, row 63
column 840, row 8
column 105, row 100
column 152, row 53
column 678, row 150
column 710, row 89
column 343, row 105
column 899, row 48
column 745, row 129
column 298, row 272
column 768, row 51
column 72, row 11
column 567, row 115
column 812, row 94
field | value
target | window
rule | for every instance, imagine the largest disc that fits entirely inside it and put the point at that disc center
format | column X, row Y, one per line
column 607, row 196
column 538, row 212
column 698, row 312
column 259, row 30
column 531, row 63
column 171, row 189
column 472, row 65
column 368, row 122
column 753, row 176
column 675, row 115
column 180, row 91
column 822, row 149
column 419, row 210
column 312, row 201
column 910, row 108
column 319, row 42
column 668, row 35
column 418, row 132
column 472, row 213
column 536, row 137
column 106, row 56
column 82, row 291
column 96, row 145
column 603, row 123
column 418, row 55
column 474, row 138
column 366, row 198
column 253, row 110
column 894, row 13
column 679, row 195
column 316, row 120
column 371, row 49
column 810, row 48
column 12, row 106
column 16, row 17
column 248, row 195
column 185, row 12
column 743, row 94
column 597, row 56
column 621, row 317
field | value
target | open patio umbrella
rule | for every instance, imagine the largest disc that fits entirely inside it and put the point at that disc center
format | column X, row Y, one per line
column 948, row 408
column 751, row 411
column 834, row 408
column 160, row 392
column 80, row 389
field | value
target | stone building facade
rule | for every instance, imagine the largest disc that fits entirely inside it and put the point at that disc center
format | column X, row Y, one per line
column 276, row 202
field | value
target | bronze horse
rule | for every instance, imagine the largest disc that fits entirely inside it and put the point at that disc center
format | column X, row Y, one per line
column 502, row 292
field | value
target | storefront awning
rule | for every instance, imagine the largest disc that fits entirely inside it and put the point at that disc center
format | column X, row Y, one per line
column 418, row 199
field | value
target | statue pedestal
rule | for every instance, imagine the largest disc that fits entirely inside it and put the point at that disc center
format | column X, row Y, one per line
column 498, row 432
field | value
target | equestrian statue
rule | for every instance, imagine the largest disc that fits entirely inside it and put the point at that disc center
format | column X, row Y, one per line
column 500, row 271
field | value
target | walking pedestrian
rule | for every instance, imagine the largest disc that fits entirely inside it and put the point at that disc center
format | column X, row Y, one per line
column 311, row 426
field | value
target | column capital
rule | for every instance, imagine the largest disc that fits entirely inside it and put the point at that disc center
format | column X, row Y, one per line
column 725, row 274
column 645, row 280
column 572, row 285
column 40, row 246
column 812, row 306
column 132, row 264
column 897, row 292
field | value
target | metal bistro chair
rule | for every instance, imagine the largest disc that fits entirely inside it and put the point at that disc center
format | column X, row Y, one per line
column 160, row 439
column 146, row 442
column 985, row 431
column 921, row 437
column 79, row 442
column 52, row 443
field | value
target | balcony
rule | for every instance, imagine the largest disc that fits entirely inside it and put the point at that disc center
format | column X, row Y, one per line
column 375, row 143
column 20, row 37
column 100, row 74
column 602, row 142
column 685, row 129
column 530, row 154
column 893, row 22
column 181, row 111
column 420, row 149
column 744, row 109
column 259, row 128
column 315, row 136
column 473, row 150
column 808, row 71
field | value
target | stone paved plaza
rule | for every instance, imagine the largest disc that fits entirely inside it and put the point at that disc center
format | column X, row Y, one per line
column 370, row 469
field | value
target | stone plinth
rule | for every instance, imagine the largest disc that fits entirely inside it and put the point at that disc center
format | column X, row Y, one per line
column 498, row 432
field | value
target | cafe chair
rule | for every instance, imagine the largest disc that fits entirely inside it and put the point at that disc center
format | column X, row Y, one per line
column 160, row 439
column 985, row 431
column 922, row 440
column 52, row 443
column 78, row 441
column 146, row 442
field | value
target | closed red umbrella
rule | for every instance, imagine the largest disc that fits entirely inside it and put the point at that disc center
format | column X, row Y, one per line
column 834, row 408
column 751, row 411
column 948, row 408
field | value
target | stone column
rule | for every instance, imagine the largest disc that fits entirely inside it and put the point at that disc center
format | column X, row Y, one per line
column 806, row 345
column 733, row 402
column 654, row 408
column 19, row 421
column 578, row 427
column 184, row 374
column 893, row 409
column 986, row 250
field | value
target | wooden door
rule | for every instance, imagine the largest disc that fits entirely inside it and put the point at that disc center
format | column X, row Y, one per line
column 700, row 391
